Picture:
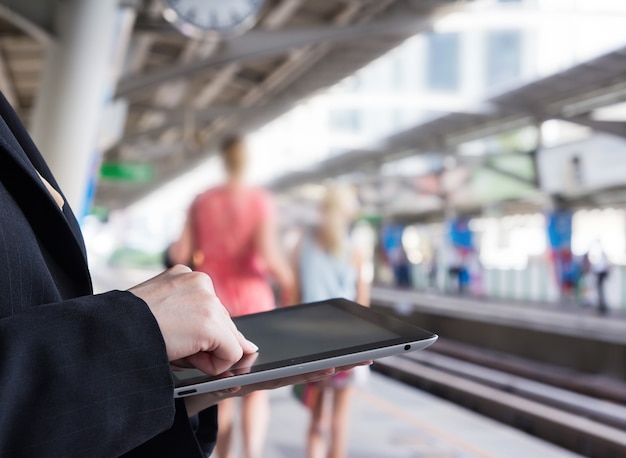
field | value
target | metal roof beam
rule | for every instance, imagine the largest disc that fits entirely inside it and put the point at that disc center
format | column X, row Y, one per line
column 275, row 18
column 617, row 128
column 259, row 44
column 296, row 63
column 178, row 117
column 35, row 17
column 281, row 14
column 513, row 176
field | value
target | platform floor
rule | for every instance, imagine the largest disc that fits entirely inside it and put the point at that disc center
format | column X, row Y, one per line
column 393, row 420
column 564, row 319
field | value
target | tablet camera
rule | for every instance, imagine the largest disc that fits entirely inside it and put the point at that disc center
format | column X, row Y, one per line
column 407, row 347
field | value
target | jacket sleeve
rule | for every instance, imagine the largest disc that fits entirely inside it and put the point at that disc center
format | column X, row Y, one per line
column 85, row 377
column 186, row 438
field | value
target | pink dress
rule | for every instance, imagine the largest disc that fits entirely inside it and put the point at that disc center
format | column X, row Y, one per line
column 226, row 221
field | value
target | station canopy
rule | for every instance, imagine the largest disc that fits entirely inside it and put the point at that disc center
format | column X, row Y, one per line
column 471, row 181
column 182, row 95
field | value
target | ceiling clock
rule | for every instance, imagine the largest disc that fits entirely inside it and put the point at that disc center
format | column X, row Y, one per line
column 212, row 18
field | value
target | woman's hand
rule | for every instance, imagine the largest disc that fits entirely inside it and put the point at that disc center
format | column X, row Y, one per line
column 195, row 325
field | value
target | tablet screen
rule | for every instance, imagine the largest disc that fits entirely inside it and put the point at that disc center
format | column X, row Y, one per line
column 310, row 332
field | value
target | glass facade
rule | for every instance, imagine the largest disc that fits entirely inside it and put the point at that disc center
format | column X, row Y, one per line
column 443, row 62
column 345, row 120
column 504, row 57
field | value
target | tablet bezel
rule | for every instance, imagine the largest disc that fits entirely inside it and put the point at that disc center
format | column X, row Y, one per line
column 410, row 338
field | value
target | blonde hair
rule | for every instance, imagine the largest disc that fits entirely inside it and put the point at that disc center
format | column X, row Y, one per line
column 338, row 208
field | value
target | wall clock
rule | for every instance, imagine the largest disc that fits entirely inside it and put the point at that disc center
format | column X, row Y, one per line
column 213, row 19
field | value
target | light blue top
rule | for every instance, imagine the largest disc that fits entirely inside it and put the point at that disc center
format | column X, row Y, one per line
column 323, row 275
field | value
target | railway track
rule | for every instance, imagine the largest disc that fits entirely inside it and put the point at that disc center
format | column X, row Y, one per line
column 544, row 402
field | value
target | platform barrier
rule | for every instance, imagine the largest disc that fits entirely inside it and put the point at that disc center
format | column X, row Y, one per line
column 536, row 283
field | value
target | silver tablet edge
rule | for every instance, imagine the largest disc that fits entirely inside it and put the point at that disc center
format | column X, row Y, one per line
column 313, row 366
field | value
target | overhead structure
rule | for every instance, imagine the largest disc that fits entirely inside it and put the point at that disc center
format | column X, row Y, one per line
column 184, row 94
column 571, row 95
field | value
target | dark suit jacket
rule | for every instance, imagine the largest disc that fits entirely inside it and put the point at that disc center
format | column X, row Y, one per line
column 80, row 374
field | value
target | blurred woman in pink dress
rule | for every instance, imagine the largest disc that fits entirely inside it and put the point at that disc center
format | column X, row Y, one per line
column 231, row 235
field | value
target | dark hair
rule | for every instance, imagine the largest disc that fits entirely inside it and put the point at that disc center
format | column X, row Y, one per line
column 233, row 154
column 229, row 141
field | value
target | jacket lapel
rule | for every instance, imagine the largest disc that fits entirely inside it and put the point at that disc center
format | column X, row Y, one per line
column 57, row 229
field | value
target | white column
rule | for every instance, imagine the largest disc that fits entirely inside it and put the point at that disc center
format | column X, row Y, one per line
column 75, row 83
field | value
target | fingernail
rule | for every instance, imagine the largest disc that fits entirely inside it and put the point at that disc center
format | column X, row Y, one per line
column 253, row 346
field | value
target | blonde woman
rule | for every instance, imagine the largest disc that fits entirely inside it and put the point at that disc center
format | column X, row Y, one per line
column 327, row 266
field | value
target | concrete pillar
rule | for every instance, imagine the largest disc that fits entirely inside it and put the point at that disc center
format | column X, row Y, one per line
column 76, row 81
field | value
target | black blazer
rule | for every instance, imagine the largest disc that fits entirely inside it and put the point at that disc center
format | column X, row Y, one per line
column 80, row 374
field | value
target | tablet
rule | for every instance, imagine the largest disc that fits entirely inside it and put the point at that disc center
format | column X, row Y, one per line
column 308, row 338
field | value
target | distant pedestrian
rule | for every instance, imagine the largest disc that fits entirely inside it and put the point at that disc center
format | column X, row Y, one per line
column 433, row 269
column 600, row 267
